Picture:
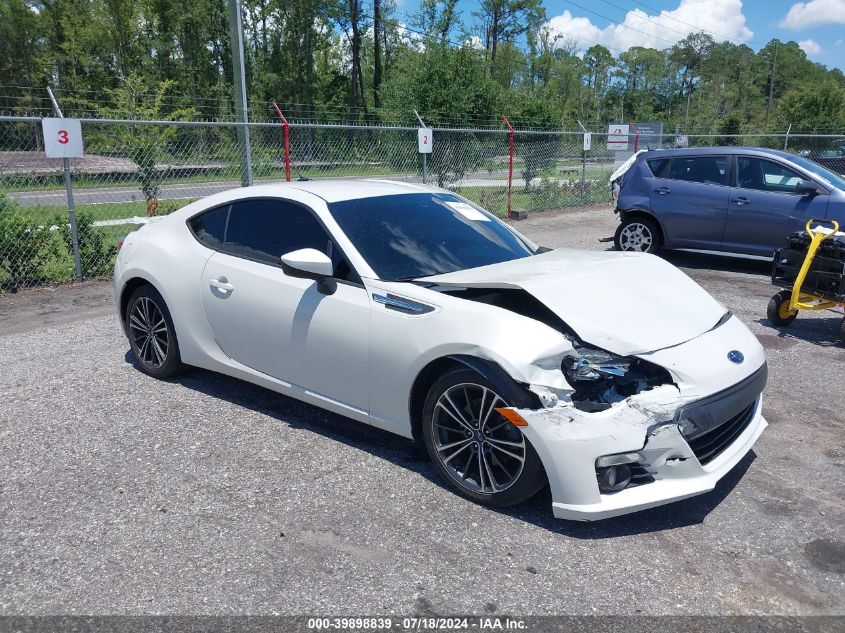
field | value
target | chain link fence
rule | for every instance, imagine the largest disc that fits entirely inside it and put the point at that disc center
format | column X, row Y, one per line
column 136, row 169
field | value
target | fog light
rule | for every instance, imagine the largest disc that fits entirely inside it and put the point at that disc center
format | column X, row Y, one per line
column 619, row 459
column 614, row 478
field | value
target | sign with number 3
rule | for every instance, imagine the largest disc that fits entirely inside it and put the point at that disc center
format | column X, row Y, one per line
column 62, row 138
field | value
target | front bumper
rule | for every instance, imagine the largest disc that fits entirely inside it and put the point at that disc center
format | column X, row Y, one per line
column 715, row 402
column 569, row 452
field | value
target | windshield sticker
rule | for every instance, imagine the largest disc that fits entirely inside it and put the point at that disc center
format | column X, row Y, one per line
column 468, row 211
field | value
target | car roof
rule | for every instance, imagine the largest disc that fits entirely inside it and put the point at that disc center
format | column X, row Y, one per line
column 717, row 150
column 340, row 190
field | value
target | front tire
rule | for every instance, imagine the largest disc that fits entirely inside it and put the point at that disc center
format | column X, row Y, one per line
column 477, row 451
column 636, row 234
column 151, row 334
column 778, row 311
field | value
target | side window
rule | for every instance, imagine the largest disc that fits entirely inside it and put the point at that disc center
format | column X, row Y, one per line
column 704, row 169
column 210, row 227
column 765, row 175
column 267, row 229
column 658, row 166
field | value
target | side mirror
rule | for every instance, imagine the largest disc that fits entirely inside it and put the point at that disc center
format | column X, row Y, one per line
column 309, row 263
column 806, row 188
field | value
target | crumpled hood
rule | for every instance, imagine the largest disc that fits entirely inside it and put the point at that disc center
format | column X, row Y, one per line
column 626, row 303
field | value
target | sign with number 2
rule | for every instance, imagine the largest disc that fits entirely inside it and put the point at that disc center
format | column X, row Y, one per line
column 62, row 138
column 425, row 140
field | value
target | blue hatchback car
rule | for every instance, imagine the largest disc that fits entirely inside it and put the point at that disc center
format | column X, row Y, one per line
column 744, row 200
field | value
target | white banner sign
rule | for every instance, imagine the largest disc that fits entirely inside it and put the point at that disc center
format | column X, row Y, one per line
column 617, row 136
column 425, row 139
column 588, row 141
column 62, row 138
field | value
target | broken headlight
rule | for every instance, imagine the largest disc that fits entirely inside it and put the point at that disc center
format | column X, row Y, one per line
column 593, row 364
column 601, row 379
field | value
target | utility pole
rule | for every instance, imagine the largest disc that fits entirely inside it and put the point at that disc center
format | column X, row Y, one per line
column 772, row 84
column 236, row 38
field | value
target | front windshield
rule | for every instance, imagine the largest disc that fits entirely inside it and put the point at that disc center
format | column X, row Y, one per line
column 419, row 234
column 834, row 179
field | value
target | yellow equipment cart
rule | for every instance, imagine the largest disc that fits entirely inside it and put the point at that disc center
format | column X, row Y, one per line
column 812, row 271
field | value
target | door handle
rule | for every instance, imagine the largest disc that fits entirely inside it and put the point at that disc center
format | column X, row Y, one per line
column 221, row 284
column 663, row 191
column 742, row 200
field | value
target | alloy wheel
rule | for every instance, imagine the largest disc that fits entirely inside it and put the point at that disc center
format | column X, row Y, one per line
column 481, row 450
column 149, row 334
column 636, row 237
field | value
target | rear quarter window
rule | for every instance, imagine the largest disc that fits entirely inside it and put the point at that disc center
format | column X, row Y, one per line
column 657, row 166
column 210, row 227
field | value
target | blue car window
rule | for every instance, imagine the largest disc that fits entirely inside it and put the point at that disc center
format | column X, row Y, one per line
column 658, row 166
column 765, row 175
column 703, row 169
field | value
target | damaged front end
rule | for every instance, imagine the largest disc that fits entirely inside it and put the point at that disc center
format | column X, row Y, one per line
column 600, row 379
column 582, row 376
column 632, row 435
column 623, row 432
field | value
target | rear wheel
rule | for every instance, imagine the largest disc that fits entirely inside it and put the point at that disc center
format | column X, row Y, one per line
column 778, row 311
column 638, row 235
column 151, row 334
column 475, row 449
column 842, row 332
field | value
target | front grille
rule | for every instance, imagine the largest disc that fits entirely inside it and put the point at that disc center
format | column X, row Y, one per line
column 709, row 445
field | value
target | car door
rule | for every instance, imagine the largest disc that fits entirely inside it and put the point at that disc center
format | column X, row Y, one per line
column 281, row 325
column 765, row 208
column 689, row 197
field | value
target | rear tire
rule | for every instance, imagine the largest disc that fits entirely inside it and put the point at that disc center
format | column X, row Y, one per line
column 842, row 332
column 778, row 309
column 636, row 234
column 151, row 334
column 477, row 451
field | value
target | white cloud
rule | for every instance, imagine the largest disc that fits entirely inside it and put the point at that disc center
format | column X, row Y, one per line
column 473, row 41
column 639, row 28
column 802, row 15
column 811, row 47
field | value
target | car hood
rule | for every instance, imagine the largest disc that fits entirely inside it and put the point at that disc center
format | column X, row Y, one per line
column 626, row 303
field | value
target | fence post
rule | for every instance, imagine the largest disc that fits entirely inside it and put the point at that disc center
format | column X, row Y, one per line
column 583, row 164
column 425, row 156
column 71, row 209
column 786, row 140
column 285, row 140
column 510, row 167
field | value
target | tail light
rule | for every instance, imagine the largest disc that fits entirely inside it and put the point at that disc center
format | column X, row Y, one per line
column 120, row 241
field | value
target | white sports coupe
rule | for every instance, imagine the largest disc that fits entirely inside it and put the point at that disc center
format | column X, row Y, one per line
column 613, row 377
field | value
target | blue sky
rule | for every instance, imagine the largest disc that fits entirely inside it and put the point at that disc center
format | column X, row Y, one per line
column 618, row 24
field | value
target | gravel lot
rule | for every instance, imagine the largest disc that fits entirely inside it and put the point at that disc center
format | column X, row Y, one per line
column 123, row 495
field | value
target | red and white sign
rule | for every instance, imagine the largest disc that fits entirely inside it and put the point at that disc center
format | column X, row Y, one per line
column 62, row 138
column 617, row 136
column 425, row 140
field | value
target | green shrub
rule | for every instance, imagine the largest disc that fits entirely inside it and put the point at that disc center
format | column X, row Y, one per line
column 24, row 246
column 95, row 255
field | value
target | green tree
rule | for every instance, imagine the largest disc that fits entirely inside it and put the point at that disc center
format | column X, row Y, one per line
column 144, row 143
column 730, row 129
column 813, row 108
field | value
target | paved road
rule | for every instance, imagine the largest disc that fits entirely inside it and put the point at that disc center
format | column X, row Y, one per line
column 123, row 495
column 102, row 195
